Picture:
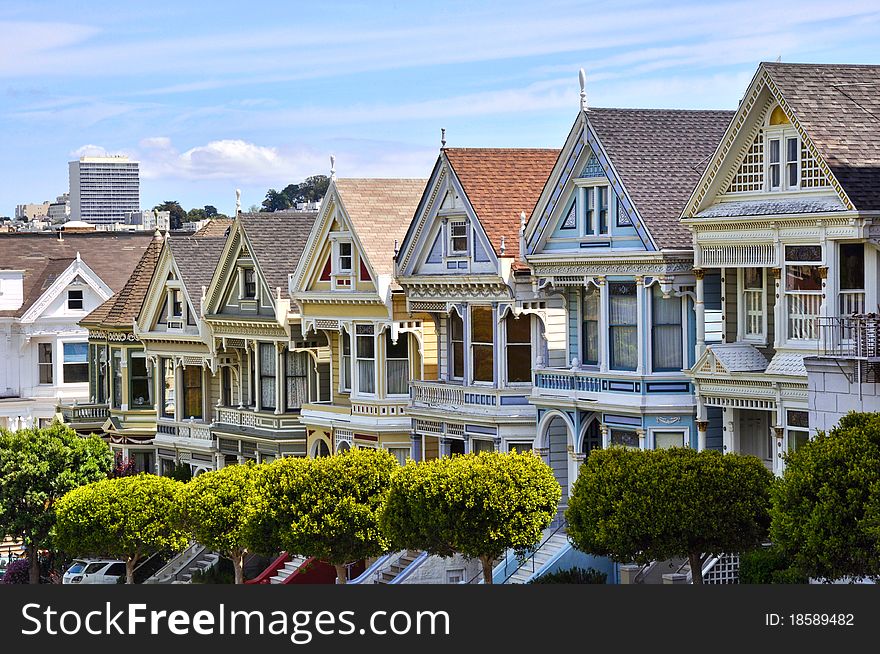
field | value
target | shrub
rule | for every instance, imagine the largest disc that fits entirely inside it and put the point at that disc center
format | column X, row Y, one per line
column 768, row 565
column 572, row 576
column 17, row 572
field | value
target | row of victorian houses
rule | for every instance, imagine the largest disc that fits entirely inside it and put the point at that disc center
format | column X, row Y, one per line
column 668, row 278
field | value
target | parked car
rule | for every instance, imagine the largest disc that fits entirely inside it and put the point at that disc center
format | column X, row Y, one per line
column 94, row 571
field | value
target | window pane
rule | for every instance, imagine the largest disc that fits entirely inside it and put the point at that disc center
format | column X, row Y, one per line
column 366, row 376
column 481, row 325
column 803, row 253
column 457, row 327
column 591, row 326
column 167, row 367
column 140, row 391
column 297, row 381
column 399, row 350
column 624, row 438
column 76, row 353
column 484, row 363
column 802, row 278
column 519, row 363
column 774, row 151
column 666, row 439
column 74, row 299
column 588, row 210
column 666, row 330
column 267, row 375
column 397, row 364
column 852, row 266
column 753, row 277
column 479, row 445
column 44, row 358
column 623, row 316
column 366, row 347
column 458, row 360
column 603, row 209
column 192, row 392
column 117, row 378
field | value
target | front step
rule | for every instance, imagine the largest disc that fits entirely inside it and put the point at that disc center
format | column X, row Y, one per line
column 389, row 574
column 288, row 569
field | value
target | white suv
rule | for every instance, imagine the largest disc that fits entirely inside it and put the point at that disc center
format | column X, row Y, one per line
column 94, row 571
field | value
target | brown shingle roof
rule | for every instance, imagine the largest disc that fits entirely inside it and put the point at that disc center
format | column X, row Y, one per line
column 196, row 258
column 501, row 183
column 839, row 107
column 278, row 239
column 217, row 227
column 380, row 211
column 660, row 155
column 123, row 308
column 42, row 256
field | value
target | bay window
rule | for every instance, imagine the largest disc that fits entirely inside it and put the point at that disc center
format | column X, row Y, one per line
column 852, row 279
column 166, row 401
column 76, row 363
column 44, row 363
column 623, row 326
column 666, row 346
column 140, row 390
column 803, row 290
column 365, row 352
column 267, row 366
column 192, row 393
column 519, row 349
column 345, row 363
column 397, row 364
column 590, row 354
column 482, row 344
column 116, row 357
column 456, row 338
column 296, row 387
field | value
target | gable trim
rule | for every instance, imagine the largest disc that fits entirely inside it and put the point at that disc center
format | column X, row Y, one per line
column 77, row 268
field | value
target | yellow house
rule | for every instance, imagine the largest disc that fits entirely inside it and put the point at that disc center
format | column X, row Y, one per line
column 344, row 289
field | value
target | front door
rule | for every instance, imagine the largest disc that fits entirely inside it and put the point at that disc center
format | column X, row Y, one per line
column 754, row 435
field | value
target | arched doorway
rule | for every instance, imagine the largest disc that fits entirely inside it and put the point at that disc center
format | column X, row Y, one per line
column 343, row 447
column 320, row 449
column 556, row 445
column 592, row 439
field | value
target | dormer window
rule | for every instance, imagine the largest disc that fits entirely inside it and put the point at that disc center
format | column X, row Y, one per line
column 458, row 237
column 783, row 153
column 249, row 286
column 176, row 303
column 344, row 257
column 75, row 300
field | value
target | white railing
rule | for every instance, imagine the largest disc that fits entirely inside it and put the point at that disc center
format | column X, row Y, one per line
column 73, row 413
column 446, row 395
column 721, row 569
column 803, row 315
column 195, row 430
column 851, row 303
column 257, row 420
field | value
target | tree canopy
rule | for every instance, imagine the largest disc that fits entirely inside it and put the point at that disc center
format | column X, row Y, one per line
column 177, row 212
column 311, row 189
column 826, row 507
column 478, row 505
column 37, row 467
column 214, row 509
column 326, row 507
column 126, row 518
column 647, row 505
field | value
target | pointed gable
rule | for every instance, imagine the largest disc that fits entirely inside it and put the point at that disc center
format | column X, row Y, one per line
column 277, row 240
column 196, row 258
column 500, row 184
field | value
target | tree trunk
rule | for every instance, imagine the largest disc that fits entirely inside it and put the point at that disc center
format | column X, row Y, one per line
column 33, row 564
column 238, row 565
column 341, row 574
column 487, row 569
column 130, row 563
column 696, row 562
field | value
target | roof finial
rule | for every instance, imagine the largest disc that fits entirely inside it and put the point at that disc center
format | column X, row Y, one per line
column 779, row 59
column 582, row 78
column 396, row 248
column 442, row 137
column 503, row 246
column 522, row 222
column 237, row 201
column 332, row 166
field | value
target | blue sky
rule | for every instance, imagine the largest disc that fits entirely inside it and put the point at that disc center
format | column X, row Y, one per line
column 222, row 95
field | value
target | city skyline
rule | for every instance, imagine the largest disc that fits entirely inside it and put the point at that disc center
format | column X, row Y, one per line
column 211, row 103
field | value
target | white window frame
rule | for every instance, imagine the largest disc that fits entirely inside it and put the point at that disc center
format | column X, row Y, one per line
column 587, row 191
column 791, row 428
column 683, row 429
column 50, row 364
column 502, row 333
column 469, row 344
column 343, row 335
column 451, row 251
column 450, row 359
column 337, row 260
column 649, row 299
column 386, row 335
column 781, row 133
column 356, row 358
column 242, row 277
column 741, row 308
column 786, row 294
column 399, row 446
column 62, row 363
column 81, row 299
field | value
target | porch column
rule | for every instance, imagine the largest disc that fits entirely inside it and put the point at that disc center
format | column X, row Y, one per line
column 780, row 328
column 416, row 443
column 445, row 447
column 643, row 439
column 640, row 329
column 700, row 311
column 702, row 429
column 778, row 449
column 603, row 324
column 178, row 391
column 830, row 302
column 606, row 436
column 279, row 378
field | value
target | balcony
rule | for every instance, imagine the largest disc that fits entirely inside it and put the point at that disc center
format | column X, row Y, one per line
column 170, row 429
column 443, row 397
column 852, row 337
column 248, row 421
column 84, row 416
column 610, row 388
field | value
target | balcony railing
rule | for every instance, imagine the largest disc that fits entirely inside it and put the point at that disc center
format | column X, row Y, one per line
column 803, row 315
column 445, row 395
column 195, row 430
column 853, row 337
column 250, row 419
column 85, row 413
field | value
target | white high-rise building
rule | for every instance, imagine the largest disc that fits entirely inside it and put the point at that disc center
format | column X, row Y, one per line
column 104, row 189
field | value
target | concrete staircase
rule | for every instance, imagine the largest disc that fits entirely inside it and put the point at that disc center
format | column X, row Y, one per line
column 548, row 549
column 398, row 565
column 287, row 569
column 181, row 568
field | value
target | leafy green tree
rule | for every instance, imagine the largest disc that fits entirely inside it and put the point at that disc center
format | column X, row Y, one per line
column 127, row 518
column 478, row 505
column 37, row 467
column 646, row 505
column 177, row 212
column 195, row 215
column 211, row 211
column 214, row 510
column 311, row 189
column 826, row 507
column 326, row 507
